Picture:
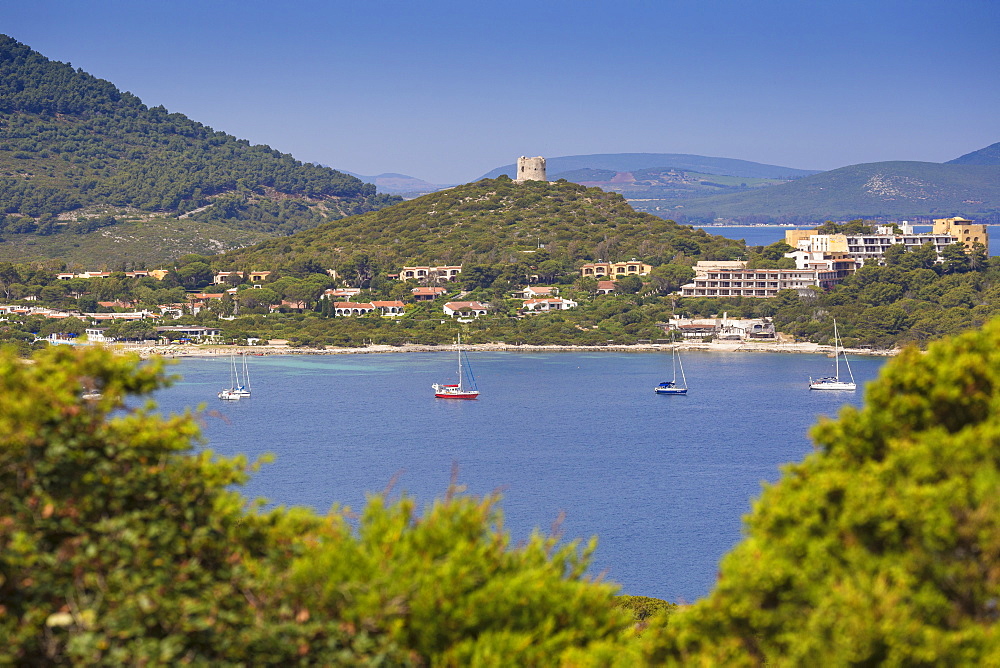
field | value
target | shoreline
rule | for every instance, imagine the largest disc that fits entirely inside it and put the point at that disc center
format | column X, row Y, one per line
column 202, row 350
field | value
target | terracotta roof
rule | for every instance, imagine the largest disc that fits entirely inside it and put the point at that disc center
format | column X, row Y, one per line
column 460, row 306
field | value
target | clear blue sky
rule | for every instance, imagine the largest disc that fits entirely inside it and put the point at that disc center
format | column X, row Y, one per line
column 446, row 91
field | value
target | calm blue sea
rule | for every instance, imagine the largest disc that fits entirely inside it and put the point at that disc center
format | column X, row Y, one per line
column 764, row 235
column 662, row 481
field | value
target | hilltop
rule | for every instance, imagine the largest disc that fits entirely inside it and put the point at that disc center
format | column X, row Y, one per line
column 872, row 190
column 495, row 220
column 77, row 154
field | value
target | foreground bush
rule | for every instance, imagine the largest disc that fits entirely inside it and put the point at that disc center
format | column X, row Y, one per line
column 121, row 545
column 881, row 548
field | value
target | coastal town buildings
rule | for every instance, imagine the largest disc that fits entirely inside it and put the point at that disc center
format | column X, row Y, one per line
column 812, row 247
column 722, row 329
column 615, row 269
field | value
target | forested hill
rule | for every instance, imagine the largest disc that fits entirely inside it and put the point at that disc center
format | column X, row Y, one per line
column 76, row 153
column 872, row 190
column 496, row 221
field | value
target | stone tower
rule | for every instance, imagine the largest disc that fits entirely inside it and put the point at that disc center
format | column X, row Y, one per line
column 530, row 169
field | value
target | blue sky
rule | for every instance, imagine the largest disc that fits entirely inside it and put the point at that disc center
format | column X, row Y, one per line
column 446, row 91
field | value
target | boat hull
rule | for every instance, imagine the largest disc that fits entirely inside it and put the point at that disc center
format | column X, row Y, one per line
column 670, row 390
column 462, row 395
column 229, row 395
column 832, row 385
column 454, row 392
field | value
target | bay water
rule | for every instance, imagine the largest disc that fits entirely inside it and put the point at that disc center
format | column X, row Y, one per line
column 662, row 481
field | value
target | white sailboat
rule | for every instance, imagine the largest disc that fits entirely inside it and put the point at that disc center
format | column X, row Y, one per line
column 834, row 382
column 462, row 390
column 236, row 390
column 670, row 386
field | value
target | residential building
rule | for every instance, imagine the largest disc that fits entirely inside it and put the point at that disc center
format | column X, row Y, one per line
column 550, row 304
column 352, row 308
column 605, row 287
column 96, row 334
column 345, row 293
column 427, row 294
column 195, row 333
column 616, row 269
column 534, row 291
column 390, row 307
column 440, row 274
column 287, row 305
column 223, row 276
column 465, row 309
column 259, row 276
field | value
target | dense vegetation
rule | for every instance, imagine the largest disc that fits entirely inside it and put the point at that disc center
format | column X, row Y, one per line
column 495, row 221
column 878, row 190
column 76, row 154
column 121, row 545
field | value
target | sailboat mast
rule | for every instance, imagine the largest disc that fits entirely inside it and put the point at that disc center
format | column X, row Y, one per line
column 836, row 351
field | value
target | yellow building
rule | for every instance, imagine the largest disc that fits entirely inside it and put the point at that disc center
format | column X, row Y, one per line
column 965, row 231
column 615, row 269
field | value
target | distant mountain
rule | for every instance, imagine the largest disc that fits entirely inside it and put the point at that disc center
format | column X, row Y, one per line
column 984, row 156
column 630, row 162
column 400, row 184
column 77, row 154
column 873, row 190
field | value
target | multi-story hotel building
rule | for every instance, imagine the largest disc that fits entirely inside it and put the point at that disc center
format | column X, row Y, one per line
column 730, row 282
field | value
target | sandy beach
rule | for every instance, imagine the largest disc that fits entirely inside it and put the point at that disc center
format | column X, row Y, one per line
column 207, row 350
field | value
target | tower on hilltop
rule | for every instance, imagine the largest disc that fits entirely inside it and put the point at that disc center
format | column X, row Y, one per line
column 530, row 169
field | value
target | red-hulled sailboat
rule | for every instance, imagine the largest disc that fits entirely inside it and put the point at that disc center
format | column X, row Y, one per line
column 464, row 389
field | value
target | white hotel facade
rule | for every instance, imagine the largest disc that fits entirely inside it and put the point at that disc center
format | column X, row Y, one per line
column 715, row 279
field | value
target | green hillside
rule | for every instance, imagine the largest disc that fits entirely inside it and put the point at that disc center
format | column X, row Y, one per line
column 495, row 220
column 873, row 190
column 76, row 154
